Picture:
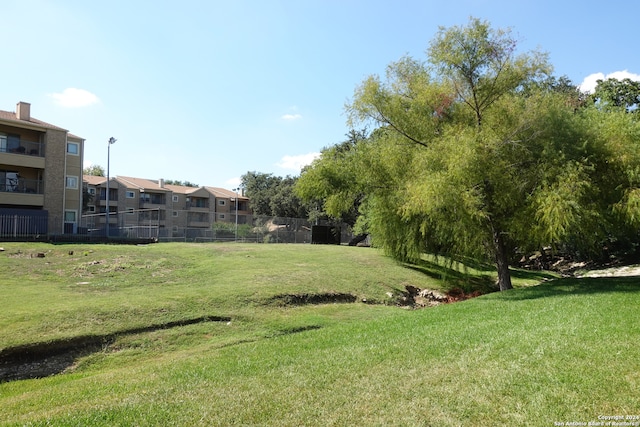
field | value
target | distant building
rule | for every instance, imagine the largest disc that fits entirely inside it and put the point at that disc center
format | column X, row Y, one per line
column 176, row 211
column 40, row 174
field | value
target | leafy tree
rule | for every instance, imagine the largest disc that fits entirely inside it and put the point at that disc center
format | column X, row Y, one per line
column 480, row 154
column 330, row 184
column 94, row 170
column 259, row 188
column 284, row 202
column 618, row 93
column 271, row 195
column 481, row 64
column 180, row 183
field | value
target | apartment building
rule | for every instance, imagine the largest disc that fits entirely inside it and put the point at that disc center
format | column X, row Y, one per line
column 40, row 174
column 138, row 204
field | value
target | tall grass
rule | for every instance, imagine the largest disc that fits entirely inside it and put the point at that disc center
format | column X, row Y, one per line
column 563, row 351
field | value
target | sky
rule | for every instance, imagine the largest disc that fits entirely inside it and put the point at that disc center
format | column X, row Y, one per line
column 206, row 91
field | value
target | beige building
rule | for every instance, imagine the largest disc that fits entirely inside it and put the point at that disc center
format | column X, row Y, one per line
column 40, row 174
column 140, row 206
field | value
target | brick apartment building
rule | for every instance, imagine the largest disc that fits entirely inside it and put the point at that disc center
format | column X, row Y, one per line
column 40, row 175
column 175, row 211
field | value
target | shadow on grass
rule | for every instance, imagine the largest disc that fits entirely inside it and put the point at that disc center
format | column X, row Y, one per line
column 458, row 275
column 538, row 275
column 40, row 360
column 472, row 275
column 574, row 286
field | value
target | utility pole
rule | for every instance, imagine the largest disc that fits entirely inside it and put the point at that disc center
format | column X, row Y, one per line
column 111, row 141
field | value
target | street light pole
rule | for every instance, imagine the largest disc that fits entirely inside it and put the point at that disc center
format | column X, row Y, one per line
column 236, row 191
column 111, row 141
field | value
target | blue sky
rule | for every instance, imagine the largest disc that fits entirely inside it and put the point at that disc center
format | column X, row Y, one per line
column 204, row 91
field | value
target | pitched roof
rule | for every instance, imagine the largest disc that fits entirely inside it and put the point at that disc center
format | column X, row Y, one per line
column 141, row 183
column 11, row 116
column 181, row 189
column 221, row 192
column 153, row 184
column 94, row 180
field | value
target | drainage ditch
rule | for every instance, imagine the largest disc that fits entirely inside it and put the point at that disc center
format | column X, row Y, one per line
column 45, row 359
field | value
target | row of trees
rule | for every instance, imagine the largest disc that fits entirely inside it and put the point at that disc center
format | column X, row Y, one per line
column 480, row 151
column 271, row 195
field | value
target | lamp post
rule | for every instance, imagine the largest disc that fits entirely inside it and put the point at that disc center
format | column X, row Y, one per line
column 111, row 141
column 236, row 191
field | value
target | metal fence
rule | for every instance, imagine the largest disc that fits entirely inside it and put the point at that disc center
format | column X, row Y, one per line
column 150, row 224
column 130, row 224
column 259, row 230
column 23, row 226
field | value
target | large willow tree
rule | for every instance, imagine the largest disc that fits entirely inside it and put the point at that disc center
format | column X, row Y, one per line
column 475, row 154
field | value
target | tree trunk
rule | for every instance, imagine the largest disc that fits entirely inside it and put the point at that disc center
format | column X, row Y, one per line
column 502, row 261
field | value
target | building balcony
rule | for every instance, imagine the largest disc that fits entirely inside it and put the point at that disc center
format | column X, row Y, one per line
column 199, row 224
column 21, row 185
column 24, row 148
column 22, row 160
column 197, row 205
column 191, row 208
column 150, row 201
column 22, row 199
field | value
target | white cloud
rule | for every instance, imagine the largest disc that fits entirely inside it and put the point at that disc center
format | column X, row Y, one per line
column 296, row 163
column 291, row 117
column 589, row 83
column 234, row 182
column 73, row 98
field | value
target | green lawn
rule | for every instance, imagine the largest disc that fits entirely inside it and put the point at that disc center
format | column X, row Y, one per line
column 559, row 352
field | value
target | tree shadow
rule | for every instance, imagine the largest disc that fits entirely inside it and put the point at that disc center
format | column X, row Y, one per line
column 472, row 275
column 457, row 275
column 39, row 360
column 574, row 286
column 538, row 275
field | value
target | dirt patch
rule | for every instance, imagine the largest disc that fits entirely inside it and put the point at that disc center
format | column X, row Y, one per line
column 625, row 271
column 414, row 297
column 45, row 359
column 306, row 299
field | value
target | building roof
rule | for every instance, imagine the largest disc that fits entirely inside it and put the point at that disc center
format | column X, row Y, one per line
column 158, row 185
column 10, row 116
column 182, row 189
column 142, row 184
column 221, row 192
column 94, row 180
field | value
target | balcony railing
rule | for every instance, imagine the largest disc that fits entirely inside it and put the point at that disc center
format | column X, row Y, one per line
column 154, row 199
column 28, row 148
column 197, row 204
column 22, row 185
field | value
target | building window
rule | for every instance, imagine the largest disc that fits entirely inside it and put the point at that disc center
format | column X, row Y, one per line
column 9, row 180
column 130, row 195
column 10, row 143
column 92, row 208
column 70, row 216
column 72, row 182
column 175, row 213
column 222, row 202
column 91, row 191
column 221, row 216
column 73, row 148
column 175, row 199
column 130, row 211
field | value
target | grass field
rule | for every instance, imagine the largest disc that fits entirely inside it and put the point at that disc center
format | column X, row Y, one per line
column 218, row 334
